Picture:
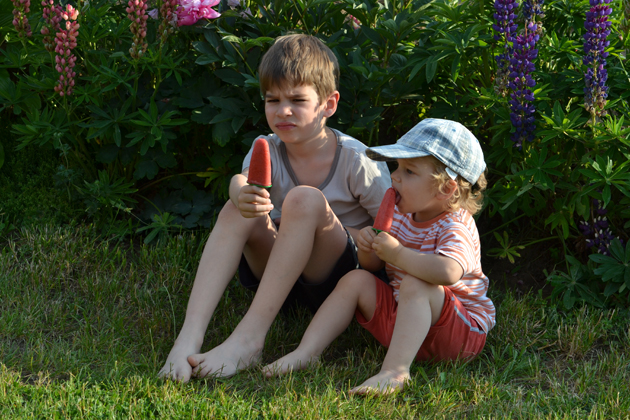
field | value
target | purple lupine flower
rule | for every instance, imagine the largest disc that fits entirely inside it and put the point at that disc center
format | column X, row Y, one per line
column 531, row 9
column 595, row 42
column 505, row 26
column 522, row 97
column 597, row 230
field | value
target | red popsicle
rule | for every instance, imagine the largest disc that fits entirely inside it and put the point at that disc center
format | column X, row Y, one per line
column 383, row 222
column 260, row 165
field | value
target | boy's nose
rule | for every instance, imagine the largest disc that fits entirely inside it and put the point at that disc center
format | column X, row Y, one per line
column 284, row 109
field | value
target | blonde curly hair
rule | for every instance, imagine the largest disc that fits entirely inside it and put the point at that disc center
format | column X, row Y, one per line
column 467, row 195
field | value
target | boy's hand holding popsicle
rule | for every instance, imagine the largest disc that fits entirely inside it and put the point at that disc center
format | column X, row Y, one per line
column 254, row 197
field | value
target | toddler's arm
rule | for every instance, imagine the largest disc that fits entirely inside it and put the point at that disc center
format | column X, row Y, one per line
column 432, row 268
column 251, row 201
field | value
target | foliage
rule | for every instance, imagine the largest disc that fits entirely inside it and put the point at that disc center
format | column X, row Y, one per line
column 170, row 126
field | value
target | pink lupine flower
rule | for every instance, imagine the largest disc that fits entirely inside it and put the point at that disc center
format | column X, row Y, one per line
column 190, row 11
column 20, row 21
column 354, row 22
column 169, row 19
column 52, row 18
column 137, row 14
column 66, row 41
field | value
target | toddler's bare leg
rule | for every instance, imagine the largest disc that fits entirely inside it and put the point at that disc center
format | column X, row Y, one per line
column 219, row 261
column 355, row 290
column 310, row 241
column 419, row 306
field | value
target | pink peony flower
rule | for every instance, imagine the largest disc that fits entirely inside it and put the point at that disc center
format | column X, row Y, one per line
column 190, row 11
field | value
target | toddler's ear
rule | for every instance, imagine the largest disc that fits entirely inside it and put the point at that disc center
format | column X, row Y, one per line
column 449, row 189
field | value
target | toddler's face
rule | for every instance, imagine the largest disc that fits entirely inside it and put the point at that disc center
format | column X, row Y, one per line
column 413, row 181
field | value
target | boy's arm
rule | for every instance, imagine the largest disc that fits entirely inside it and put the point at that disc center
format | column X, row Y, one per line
column 432, row 268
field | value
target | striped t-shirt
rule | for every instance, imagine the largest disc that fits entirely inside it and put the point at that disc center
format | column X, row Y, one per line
column 454, row 235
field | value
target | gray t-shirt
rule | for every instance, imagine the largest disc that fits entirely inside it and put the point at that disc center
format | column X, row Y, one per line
column 354, row 187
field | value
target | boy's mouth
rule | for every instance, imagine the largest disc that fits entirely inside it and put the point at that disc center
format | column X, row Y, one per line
column 284, row 126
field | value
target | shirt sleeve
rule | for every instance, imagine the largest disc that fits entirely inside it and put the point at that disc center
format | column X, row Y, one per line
column 371, row 180
column 457, row 243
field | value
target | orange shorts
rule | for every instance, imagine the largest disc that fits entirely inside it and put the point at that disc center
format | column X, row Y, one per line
column 455, row 336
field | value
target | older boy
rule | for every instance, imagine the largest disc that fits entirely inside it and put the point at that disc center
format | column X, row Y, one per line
column 324, row 191
column 435, row 306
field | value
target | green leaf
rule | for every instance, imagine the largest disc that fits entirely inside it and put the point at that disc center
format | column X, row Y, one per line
column 146, row 169
column 431, row 69
column 230, row 77
column 107, row 153
column 616, row 250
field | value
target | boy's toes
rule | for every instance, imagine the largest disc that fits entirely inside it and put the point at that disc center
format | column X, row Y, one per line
column 194, row 360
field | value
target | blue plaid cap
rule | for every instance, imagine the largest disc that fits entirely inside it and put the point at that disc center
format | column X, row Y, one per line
column 449, row 141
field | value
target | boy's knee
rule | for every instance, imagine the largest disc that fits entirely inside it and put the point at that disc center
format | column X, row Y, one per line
column 304, row 200
column 228, row 211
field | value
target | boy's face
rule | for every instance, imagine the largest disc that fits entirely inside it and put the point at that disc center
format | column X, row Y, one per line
column 417, row 190
column 296, row 115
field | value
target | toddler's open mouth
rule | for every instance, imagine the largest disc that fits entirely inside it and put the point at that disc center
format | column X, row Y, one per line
column 397, row 195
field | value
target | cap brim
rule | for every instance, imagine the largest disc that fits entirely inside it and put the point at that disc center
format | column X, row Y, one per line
column 394, row 151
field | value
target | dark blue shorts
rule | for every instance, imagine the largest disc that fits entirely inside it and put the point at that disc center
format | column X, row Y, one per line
column 307, row 294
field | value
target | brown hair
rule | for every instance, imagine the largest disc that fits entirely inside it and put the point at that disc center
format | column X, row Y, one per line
column 467, row 195
column 297, row 60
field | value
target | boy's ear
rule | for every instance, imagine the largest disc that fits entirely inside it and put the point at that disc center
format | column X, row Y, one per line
column 331, row 104
column 449, row 190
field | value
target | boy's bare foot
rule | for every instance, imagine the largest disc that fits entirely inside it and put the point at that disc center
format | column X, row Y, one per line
column 177, row 367
column 225, row 360
column 384, row 383
column 295, row 360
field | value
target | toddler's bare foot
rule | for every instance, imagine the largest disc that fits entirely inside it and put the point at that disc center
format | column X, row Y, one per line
column 177, row 367
column 385, row 382
column 226, row 359
column 295, row 360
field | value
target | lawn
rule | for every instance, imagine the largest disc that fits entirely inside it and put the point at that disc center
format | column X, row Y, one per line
column 85, row 325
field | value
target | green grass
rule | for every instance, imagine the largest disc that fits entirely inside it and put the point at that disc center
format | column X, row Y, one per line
column 86, row 325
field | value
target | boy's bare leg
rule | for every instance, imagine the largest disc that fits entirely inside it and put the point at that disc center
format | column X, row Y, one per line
column 355, row 290
column 310, row 241
column 419, row 307
column 232, row 235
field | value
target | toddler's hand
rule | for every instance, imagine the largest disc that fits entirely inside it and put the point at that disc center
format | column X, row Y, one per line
column 254, row 201
column 365, row 239
column 386, row 247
